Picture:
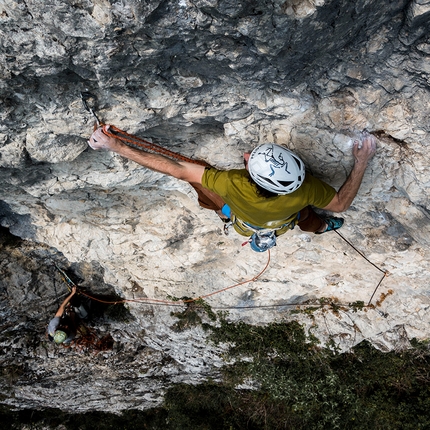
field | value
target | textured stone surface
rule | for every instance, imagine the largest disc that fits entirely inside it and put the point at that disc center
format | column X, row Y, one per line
column 210, row 79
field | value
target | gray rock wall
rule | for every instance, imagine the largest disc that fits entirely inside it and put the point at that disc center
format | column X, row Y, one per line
column 210, row 79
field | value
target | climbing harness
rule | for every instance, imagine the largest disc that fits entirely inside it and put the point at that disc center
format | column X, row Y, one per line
column 261, row 239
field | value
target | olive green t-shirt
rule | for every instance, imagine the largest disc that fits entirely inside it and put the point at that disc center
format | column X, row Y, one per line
column 237, row 190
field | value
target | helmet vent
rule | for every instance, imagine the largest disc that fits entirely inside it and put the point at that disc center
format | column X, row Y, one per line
column 285, row 183
column 266, row 180
column 298, row 162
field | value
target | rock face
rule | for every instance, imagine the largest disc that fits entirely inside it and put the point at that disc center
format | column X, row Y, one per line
column 209, row 79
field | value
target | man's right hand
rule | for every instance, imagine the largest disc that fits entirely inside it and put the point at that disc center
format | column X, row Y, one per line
column 100, row 140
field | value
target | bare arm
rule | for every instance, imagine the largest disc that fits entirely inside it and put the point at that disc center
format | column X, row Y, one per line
column 63, row 305
column 347, row 192
column 179, row 169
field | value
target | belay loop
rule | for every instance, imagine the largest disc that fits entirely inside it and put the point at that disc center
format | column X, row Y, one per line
column 261, row 241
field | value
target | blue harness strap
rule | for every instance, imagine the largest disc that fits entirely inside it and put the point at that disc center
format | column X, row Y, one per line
column 226, row 210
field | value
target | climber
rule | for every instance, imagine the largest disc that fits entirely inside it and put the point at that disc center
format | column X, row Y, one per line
column 270, row 196
column 62, row 328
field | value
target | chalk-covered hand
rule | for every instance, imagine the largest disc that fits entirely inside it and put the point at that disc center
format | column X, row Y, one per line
column 100, row 140
column 364, row 149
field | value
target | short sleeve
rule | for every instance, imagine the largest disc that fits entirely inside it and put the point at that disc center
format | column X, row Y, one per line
column 320, row 194
column 53, row 325
column 211, row 180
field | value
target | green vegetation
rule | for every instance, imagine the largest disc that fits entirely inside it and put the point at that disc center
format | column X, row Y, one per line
column 304, row 386
column 278, row 377
column 55, row 419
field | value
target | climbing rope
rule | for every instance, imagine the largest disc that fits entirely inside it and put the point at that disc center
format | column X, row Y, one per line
column 385, row 273
column 359, row 252
column 130, row 139
column 151, row 301
column 180, row 303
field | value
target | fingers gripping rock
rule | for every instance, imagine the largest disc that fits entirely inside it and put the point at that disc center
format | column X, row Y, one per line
column 364, row 148
column 100, row 140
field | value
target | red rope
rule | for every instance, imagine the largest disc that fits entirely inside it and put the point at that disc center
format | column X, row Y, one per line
column 171, row 302
column 115, row 132
column 127, row 138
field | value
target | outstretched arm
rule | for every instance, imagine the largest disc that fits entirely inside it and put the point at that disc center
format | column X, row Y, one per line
column 179, row 169
column 63, row 305
column 347, row 192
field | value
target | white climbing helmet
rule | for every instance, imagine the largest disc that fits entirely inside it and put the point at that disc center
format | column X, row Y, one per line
column 276, row 168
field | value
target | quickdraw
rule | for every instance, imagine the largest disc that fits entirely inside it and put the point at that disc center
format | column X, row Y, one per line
column 130, row 139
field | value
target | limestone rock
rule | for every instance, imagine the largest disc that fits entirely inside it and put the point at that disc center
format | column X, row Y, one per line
column 209, row 79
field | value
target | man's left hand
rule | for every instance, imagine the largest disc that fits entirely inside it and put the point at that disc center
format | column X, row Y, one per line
column 365, row 149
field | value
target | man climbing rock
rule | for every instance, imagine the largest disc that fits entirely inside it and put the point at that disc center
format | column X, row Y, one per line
column 62, row 328
column 271, row 195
